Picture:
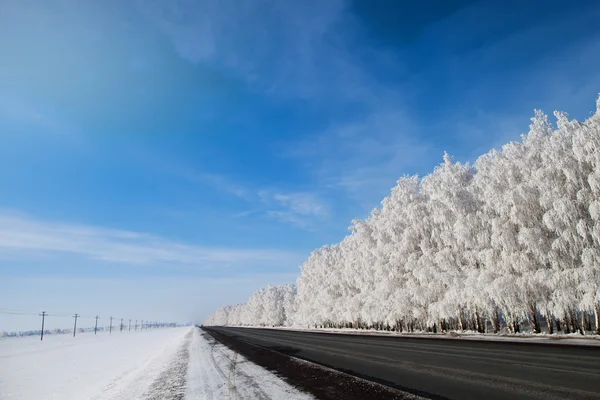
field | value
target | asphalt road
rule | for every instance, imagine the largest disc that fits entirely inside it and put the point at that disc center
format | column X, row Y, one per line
column 445, row 368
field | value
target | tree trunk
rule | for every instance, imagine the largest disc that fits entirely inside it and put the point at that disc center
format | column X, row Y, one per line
column 496, row 320
column 516, row 325
column 588, row 321
column 478, row 322
column 557, row 325
column 584, row 322
column 574, row 322
column 535, row 320
column 549, row 322
column 472, row 323
column 566, row 322
column 597, row 317
column 509, row 323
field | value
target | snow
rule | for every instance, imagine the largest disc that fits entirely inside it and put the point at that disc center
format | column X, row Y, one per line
column 170, row 363
column 216, row 372
column 569, row 339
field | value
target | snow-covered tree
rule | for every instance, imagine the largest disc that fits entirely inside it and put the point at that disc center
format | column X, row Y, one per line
column 506, row 243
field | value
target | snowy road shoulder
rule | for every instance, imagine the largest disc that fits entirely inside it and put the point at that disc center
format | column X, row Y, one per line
column 558, row 339
column 216, row 372
column 167, row 364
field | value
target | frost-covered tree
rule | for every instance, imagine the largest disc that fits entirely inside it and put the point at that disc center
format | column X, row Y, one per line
column 508, row 242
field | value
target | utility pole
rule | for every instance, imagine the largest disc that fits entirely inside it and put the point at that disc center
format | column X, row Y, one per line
column 96, row 327
column 121, row 325
column 136, row 325
column 75, row 326
column 110, row 326
column 43, row 314
column 129, row 325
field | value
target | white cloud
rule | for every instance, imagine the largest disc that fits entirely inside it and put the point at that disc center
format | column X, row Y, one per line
column 14, row 110
column 364, row 157
column 304, row 50
column 287, row 48
column 25, row 236
column 301, row 209
column 225, row 184
column 301, row 203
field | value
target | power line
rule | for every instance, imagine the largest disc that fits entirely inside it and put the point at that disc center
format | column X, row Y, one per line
column 148, row 324
column 7, row 311
column 16, row 312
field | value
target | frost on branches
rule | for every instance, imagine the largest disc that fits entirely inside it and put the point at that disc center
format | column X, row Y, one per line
column 510, row 242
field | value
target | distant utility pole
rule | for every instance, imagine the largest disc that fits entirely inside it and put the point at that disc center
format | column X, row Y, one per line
column 43, row 314
column 129, row 325
column 121, row 325
column 136, row 325
column 96, row 327
column 75, row 326
column 110, row 326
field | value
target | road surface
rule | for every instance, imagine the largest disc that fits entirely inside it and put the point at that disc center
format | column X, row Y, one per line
column 445, row 368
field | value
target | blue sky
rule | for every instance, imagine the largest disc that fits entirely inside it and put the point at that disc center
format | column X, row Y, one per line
column 161, row 158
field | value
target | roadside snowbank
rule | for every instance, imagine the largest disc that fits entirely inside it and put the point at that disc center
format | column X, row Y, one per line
column 216, row 372
column 569, row 339
column 165, row 364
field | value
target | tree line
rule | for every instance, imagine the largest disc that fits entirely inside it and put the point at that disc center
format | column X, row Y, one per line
column 509, row 242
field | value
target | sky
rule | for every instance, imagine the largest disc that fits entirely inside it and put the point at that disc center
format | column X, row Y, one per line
column 160, row 158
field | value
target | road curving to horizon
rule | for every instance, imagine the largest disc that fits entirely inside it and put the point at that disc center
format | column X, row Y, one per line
column 444, row 368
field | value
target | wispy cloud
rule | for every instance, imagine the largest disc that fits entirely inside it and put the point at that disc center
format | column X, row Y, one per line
column 220, row 182
column 299, row 208
column 22, row 113
column 302, row 209
column 305, row 50
column 301, row 203
column 310, row 50
column 286, row 48
column 25, row 235
column 365, row 156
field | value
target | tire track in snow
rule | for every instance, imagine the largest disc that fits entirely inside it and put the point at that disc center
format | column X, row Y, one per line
column 202, row 384
column 170, row 385
column 236, row 379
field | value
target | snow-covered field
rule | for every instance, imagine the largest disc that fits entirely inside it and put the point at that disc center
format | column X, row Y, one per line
column 176, row 363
